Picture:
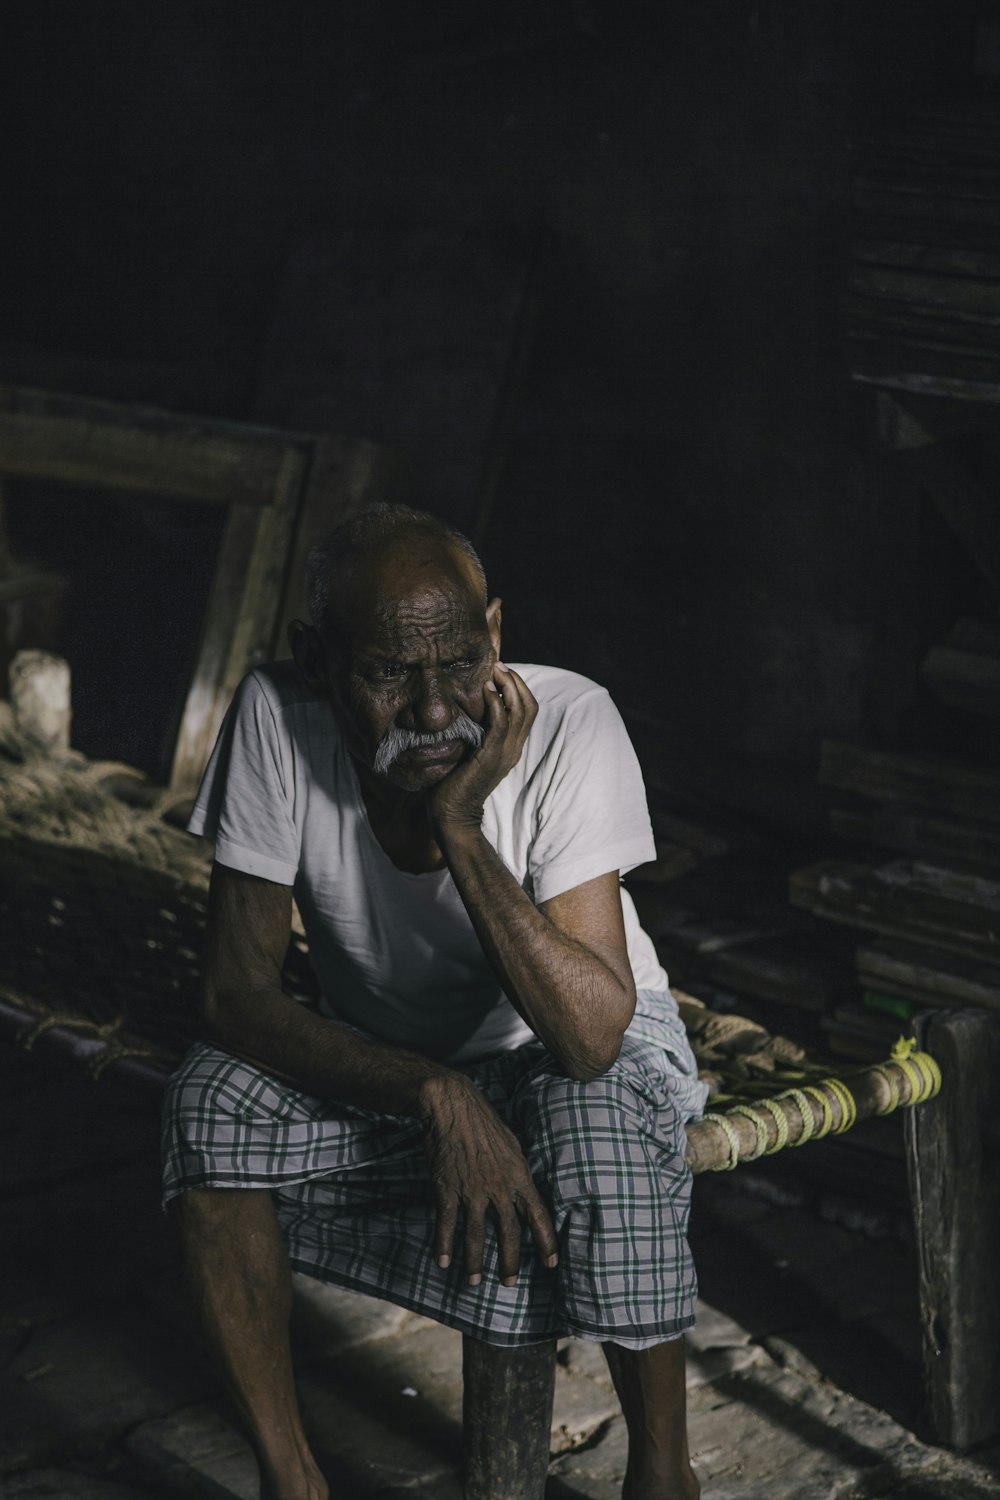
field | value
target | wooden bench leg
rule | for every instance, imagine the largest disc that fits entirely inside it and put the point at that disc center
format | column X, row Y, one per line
column 507, row 1412
column 953, row 1146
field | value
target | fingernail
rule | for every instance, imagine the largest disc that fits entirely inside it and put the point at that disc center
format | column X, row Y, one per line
column 552, row 1262
column 475, row 1280
column 444, row 1261
column 491, row 687
column 502, row 667
column 510, row 1281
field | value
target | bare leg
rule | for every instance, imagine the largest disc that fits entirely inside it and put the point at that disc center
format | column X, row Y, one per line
column 239, row 1281
column 650, row 1386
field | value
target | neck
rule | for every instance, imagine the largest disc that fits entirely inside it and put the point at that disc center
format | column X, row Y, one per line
column 382, row 795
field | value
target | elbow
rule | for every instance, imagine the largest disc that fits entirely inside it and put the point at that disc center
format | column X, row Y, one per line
column 596, row 1060
column 597, row 1054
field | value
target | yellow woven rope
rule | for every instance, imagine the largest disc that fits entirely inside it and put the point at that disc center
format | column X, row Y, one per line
column 931, row 1073
column 777, row 1113
column 760, row 1129
column 729, row 1132
column 806, row 1111
column 826, row 1124
column 848, row 1108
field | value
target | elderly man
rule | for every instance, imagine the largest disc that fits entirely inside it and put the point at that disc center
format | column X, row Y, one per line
column 485, row 1120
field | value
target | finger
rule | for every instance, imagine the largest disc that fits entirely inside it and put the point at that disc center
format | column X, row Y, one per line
column 496, row 712
column 509, row 1244
column 536, row 1215
column 446, row 1222
column 517, row 696
column 475, row 1237
column 513, row 689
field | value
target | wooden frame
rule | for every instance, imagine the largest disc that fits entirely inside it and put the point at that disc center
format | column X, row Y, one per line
column 280, row 490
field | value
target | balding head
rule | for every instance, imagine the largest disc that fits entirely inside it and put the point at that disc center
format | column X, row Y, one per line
column 385, row 548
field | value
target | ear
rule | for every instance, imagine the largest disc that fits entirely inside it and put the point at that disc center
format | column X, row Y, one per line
column 493, row 619
column 310, row 657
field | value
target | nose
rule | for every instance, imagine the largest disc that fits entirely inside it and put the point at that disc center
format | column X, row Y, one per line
column 432, row 707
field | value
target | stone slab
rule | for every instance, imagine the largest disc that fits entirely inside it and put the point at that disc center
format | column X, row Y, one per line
column 195, row 1451
column 78, row 1383
column 61, row 1484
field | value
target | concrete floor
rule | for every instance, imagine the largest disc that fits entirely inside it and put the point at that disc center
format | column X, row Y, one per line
column 803, row 1374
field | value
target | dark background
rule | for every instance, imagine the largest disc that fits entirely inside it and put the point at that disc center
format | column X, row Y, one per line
column 358, row 216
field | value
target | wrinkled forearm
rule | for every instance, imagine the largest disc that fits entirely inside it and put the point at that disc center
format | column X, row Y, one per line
column 568, row 996
column 280, row 1036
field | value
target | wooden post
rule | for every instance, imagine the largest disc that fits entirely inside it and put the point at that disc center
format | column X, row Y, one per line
column 952, row 1144
column 507, row 1414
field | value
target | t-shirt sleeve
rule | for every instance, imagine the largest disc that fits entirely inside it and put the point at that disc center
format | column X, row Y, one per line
column 592, row 815
column 243, row 800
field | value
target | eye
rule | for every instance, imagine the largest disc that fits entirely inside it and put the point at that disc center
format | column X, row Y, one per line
column 463, row 664
column 388, row 671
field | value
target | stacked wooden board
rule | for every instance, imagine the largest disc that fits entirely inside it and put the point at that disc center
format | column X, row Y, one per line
column 923, row 310
column 964, row 672
column 926, row 889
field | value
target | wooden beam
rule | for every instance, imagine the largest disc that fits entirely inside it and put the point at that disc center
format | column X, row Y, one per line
column 188, row 463
column 240, row 618
column 951, row 1147
column 507, row 1419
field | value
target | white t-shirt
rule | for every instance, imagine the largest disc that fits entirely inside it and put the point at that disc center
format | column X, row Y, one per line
column 395, row 953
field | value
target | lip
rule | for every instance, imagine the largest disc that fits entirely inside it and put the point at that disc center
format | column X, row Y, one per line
column 430, row 754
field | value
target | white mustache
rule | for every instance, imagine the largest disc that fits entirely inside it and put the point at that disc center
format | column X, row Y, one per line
column 395, row 742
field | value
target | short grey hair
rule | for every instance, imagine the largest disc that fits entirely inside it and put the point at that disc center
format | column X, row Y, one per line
column 330, row 561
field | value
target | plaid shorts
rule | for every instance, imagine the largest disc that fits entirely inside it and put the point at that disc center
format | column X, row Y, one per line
column 353, row 1194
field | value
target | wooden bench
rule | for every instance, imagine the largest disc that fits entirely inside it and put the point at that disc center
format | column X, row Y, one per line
column 107, row 902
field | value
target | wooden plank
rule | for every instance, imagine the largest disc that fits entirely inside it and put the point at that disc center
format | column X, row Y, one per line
column 712, row 932
column 188, row 462
column 918, row 329
column 345, row 475
column 791, row 970
column 868, row 370
column 939, row 840
column 240, row 619
column 943, row 785
column 956, row 293
column 963, row 679
column 925, row 974
column 955, row 1190
column 906, row 898
column 924, row 371
column 899, row 203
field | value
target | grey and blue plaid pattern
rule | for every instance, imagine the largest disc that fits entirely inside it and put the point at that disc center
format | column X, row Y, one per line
column 354, row 1200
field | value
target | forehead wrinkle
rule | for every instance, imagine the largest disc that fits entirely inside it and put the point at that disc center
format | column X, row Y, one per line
column 417, row 629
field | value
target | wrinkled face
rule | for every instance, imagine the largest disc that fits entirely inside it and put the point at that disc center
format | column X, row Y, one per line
column 422, row 647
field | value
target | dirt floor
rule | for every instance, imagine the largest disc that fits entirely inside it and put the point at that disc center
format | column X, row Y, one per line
column 804, row 1379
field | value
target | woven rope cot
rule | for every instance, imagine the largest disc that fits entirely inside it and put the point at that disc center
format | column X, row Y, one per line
column 103, row 908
